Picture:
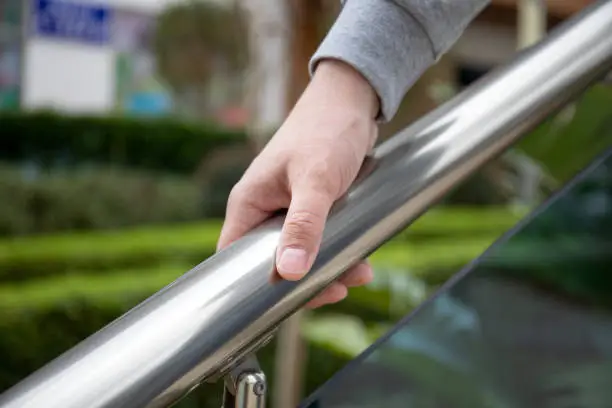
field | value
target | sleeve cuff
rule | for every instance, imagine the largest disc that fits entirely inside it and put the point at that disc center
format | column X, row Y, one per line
column 382, row 42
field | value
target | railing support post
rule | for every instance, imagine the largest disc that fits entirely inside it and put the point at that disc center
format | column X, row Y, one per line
column 245, row 386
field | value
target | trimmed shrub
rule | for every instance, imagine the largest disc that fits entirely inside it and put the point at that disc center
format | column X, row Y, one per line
column 433, row 245
column 93, row 198
column 52, row 140
column 22, row 259
column 40, row 318
column 31, row 338
column 58, row 289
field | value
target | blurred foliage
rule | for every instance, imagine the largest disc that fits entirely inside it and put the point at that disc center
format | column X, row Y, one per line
column 323, row 331
column 219, row 185
column 197, row 40
column 575, row 233
column 590, row 383
column 32, row 336
column 91, row 253
column 568, row 141
column 50, row 140
column 195, row 37
column 92, row 198
column 429, row 245
column 57, row 289
column 220, row 173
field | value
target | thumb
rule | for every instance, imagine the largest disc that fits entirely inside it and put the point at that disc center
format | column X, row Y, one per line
column 302, row 232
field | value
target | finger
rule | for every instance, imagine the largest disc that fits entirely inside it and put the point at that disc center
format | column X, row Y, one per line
column 241, row 216
column 302, row 231
column 332, row 294
column 359, row 275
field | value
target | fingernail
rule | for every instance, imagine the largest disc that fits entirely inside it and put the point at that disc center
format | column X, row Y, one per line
column 293, row 263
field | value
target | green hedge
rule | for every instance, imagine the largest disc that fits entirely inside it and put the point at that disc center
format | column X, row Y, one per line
column 567, row 142
column 93, row 198
column 42, row 318
column 114, row 288
column 27, row 257
column 32, row 337
column 55, row 290
column 72, row 282
column 159, row 144
column 102, row 197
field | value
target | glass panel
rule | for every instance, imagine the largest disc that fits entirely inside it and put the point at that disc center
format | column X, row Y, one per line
column 529, row 324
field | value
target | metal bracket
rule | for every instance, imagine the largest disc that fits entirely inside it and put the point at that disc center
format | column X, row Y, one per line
column 245, row 386
column 242, row 356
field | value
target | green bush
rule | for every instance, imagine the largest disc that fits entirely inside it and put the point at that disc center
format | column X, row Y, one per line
column 32, row 337
column 162, row 144
column 42, row 318
column 29, row 257
column 219, row 185
column 567, row 142
column 433, row 239
column 148, row 276
column 58, row 289
column 93, row 199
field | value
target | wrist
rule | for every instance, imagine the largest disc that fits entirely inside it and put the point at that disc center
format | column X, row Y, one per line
column 339, row 83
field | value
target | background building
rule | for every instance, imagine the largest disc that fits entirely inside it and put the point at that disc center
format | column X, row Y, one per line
column 80, row 56
column 95, row 56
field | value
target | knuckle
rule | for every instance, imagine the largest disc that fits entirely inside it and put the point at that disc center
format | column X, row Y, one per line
column 319, row 170
column 322, row 178
column 302, row 226
column 237, row 195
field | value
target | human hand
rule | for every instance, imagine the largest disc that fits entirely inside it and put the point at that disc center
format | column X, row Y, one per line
column 309, row 163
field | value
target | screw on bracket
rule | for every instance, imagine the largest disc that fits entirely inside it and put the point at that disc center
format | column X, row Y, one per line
column 245, row 386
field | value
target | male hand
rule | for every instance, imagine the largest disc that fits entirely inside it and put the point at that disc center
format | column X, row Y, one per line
column 309, row 163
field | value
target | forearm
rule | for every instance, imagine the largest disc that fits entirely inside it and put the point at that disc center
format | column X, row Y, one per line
column 391, row 43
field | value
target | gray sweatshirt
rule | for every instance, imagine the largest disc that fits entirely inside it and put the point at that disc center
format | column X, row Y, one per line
column 392, row 42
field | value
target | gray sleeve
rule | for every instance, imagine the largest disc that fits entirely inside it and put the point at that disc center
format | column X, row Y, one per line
column 392, row 42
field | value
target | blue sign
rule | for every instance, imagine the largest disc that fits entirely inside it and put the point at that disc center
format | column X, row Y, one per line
column 149, row 103
column 64, row 19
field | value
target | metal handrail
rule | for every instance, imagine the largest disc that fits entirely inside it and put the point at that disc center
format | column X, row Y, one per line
column 209, row 318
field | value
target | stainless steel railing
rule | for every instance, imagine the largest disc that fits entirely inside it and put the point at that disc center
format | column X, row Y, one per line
column 204, row 322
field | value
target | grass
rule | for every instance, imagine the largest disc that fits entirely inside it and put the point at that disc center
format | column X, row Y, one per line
column 23, row 258
column 38, row 256
column 115, row 266
column 433, row 254
column 140, row 282
column 99, row 289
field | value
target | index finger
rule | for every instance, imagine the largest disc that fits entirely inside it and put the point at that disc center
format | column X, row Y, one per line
column 241, row 216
